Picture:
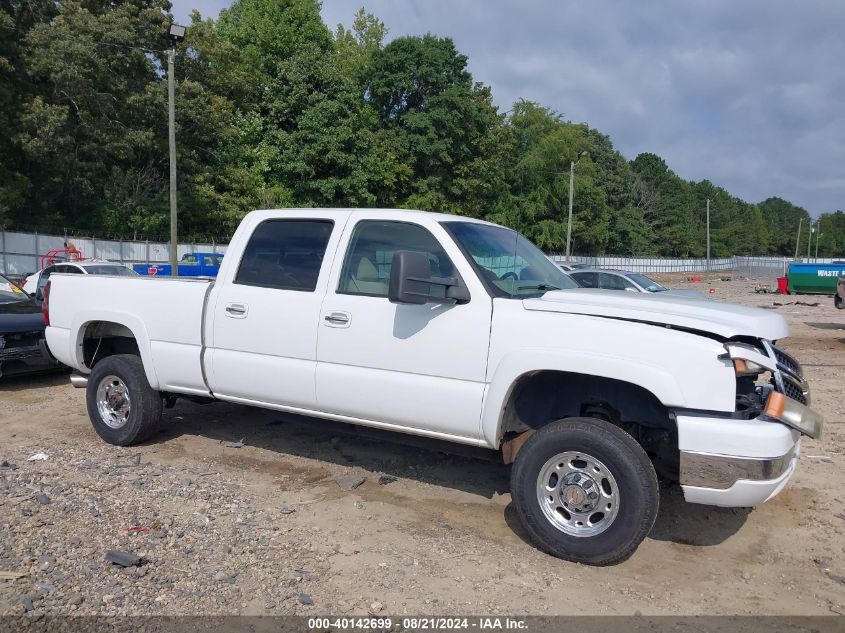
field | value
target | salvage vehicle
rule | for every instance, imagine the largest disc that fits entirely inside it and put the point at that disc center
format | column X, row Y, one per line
column 461, row 330
column 34, row 284
column 22, row 345
column 626, row 280
column 191, row 265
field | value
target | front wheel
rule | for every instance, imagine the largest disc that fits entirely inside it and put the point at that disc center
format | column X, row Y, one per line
column 123, row 407
column 838, row 302
column 585, row 491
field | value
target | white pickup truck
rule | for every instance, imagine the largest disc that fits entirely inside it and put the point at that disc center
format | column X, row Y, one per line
column 461, row 330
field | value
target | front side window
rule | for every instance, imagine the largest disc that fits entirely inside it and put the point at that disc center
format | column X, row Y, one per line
column 614, row 282
column 366, row 269
column 508, row 263
column 285, row 254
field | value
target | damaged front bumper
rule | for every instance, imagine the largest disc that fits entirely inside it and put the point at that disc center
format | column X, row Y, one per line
column 742, row 463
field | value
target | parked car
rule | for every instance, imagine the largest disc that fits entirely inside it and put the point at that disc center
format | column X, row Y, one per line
column 839, row 297
column 22, row 345
column 191, row 265
column 567, row 266
column 624, row 280
column 34, row 284
column 461, row 330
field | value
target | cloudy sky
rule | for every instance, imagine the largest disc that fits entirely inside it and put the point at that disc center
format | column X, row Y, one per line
column 750, row 95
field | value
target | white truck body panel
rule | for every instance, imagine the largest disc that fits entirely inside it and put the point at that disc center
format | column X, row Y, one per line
column 440, row 370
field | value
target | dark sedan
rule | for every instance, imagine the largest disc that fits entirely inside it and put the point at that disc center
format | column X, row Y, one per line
column 22, row 345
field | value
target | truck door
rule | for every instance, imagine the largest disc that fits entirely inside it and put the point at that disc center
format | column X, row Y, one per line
column 419, row 367
column 264, row 340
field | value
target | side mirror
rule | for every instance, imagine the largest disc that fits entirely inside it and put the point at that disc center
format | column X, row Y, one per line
column 410, row 275
column 411, row 282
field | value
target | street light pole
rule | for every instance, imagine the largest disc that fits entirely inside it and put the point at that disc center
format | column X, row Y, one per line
column 798, row 239
column 177, row 34
column 571, row 190
column 818, row 235
column 708, row 234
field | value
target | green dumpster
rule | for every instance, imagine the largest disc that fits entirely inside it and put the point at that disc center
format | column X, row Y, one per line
column 814, row 278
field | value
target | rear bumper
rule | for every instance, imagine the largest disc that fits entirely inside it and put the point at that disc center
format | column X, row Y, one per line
column 735, row 463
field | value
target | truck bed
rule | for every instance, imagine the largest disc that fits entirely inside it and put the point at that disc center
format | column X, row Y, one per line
column 164, row 314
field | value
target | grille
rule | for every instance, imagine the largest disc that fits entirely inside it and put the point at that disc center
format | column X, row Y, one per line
column 791, row 390
column 785, row 361
column 789, row 378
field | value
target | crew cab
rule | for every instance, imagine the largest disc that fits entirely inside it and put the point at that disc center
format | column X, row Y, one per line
column 462, row 330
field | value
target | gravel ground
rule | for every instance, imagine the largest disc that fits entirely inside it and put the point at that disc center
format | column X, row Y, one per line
column 278, row 526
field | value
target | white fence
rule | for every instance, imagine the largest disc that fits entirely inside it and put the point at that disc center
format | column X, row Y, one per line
column 21, row 253
column 749, row 266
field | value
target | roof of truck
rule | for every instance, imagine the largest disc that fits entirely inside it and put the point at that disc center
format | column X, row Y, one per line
column 405, row 214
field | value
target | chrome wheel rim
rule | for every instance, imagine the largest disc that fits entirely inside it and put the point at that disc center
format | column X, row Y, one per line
column 578, row 494
column 113, row 402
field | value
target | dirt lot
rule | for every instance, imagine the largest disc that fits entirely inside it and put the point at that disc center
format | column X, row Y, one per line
column 266, row 529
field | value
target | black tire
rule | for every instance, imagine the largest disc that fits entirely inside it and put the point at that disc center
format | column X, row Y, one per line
column 838, row 302
column 635, row 479
column 145, row 403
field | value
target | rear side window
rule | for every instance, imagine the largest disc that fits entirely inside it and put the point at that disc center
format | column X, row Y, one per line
column 285, row 254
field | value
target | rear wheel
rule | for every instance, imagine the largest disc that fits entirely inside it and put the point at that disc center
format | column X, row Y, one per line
column 585, row 491
column 122, row 405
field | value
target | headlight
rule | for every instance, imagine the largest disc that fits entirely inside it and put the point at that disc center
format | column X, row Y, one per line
column 747, row 359
column 743, row 367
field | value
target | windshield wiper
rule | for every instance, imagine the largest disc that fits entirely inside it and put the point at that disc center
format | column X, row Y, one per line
column 538, row 287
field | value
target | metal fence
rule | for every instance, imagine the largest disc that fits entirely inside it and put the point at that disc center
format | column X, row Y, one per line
column 652, row 264
column 20, row 253
column 766, row 269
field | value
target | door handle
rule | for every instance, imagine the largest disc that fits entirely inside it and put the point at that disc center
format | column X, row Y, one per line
column 236, row 310
column 337, row 318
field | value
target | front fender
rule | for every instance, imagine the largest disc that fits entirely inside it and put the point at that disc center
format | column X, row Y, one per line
column 83, row 318
column 513, row 366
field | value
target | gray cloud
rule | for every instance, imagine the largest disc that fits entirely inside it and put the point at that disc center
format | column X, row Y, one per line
column 746, row 94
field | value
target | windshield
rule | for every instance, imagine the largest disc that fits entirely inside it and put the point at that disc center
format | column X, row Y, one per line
column 509, row 264
column 10, row 291
column 121, row 271
column 648, row 284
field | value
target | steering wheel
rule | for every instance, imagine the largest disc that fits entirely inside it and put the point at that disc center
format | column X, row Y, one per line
column 509, row 275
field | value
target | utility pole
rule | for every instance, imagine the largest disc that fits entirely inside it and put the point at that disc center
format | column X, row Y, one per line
column 171, row 137
column 798, row 239
column 708, row 234
column 818, row 235
column 571, row 190
column 809, row 241
column 177, row 34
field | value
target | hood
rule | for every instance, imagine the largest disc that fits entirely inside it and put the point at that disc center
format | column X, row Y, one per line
column 723, row 319
column 20, row 316
column 682, row 292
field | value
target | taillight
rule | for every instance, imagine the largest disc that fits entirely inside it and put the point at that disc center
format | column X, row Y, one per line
column 45, row 303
